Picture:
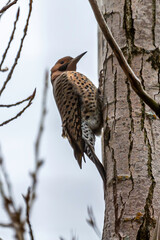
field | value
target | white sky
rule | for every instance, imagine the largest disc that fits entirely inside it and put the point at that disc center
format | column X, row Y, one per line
column 57, row 29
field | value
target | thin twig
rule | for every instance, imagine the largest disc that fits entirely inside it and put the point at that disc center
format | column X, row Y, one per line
column 17, row 103
column 19, row 50
column 73, row 238
column 92, row 221
column 4, row 69
column 7, row 6
column 7, row 182
column 6, row 225
column 38, row 162
column 27, row 202
column 8, row 2
column 44, row 111
column 134, row 80
column 13, row 213
column 22, row 111
column 10, row 40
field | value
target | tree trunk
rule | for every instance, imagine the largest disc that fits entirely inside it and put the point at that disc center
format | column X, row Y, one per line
column 131, row 136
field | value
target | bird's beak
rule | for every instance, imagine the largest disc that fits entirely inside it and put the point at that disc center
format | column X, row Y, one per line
column 74, row 61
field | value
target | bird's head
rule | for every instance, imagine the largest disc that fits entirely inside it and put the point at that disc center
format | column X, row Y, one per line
column 65, row 64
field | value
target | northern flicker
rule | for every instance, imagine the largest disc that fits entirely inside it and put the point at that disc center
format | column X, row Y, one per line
column 79, row 104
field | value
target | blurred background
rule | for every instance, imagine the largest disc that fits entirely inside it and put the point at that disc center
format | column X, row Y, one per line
column 56, row 29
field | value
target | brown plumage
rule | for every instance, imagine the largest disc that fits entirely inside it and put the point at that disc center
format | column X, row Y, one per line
column 79, row 104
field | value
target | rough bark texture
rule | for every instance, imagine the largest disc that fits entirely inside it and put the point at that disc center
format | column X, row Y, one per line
column 131, row 136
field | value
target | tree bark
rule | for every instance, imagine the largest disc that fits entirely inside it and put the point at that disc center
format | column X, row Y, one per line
column 131, row 149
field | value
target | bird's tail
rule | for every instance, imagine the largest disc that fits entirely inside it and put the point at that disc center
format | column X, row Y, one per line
column 91, row 154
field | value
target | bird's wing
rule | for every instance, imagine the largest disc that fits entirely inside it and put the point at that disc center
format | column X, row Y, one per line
column 84, row 88
column 68, row 104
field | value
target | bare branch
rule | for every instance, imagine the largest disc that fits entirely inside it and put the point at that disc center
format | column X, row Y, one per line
column 38, row 162
column 17, row 103
column 8, row 2
column 10, row 40
column 7, row 6
column 22, row 111
column 7, row 182
column 44, row 111
column 4, row 69
column 19, row 50
column 92, row 221
column 27, row 202
column 14, row 215
column 134, row 80
column 73, row 238
column 6, row 225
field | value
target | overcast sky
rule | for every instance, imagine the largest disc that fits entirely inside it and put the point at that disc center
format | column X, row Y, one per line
column 57, row 28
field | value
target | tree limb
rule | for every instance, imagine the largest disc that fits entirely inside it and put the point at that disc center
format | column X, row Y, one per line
column 134, row 80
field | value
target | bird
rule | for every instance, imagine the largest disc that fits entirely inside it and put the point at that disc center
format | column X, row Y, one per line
column 80, row 106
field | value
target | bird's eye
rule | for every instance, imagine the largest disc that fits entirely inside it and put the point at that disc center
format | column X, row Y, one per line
column 61, row 62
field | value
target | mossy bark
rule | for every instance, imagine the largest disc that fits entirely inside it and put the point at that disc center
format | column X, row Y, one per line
column 131, row 135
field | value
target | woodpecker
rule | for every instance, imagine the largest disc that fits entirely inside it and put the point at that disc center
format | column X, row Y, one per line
column 80, row 107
